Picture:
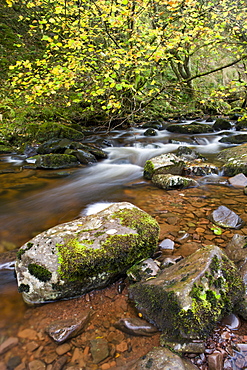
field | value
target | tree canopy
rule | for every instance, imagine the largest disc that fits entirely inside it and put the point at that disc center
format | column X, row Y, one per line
column 120, row 57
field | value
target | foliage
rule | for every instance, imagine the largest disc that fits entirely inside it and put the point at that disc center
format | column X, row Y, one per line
column 119, row 56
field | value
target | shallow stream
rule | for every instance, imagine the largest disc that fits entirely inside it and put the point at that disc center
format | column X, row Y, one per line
column 34, row 200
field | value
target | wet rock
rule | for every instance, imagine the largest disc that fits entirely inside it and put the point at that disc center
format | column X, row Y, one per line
column 57, row 146
column 28, row 333
column 59, row 364
column 215, row 361
column 150, row 132
column 99, row 349
column 183, row 347
column 241, row 125
column 236, row 249
column 143, row 270
column 221, row 124
column 200, row 169
column 187, row 299
column 163, row 164
column 238, row 181
column 234, row 139
column 135, row 326
column 169, row 261
column 85, row 254
column 64, row 348
column 167, row 244
column 152, row 124
column 234, row 160
column 162, row 358
column 82, row 156
column 231, row 321
column 53, row 161
column 13, row 362
column 62, row 330
column 168, row 181
column 36, row 365
column 191, row 128
column 188, row 154
column 8, row 344
column 224, row 217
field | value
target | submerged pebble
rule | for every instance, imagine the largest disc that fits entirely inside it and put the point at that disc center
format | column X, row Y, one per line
column 135, row 326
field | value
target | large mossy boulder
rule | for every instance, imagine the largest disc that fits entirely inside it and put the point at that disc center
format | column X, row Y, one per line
column 163, row 164
column 53, row 161
column 191, row 128
column 85, row 254
column 234, row 160
column 187, row 299
column 234, row 139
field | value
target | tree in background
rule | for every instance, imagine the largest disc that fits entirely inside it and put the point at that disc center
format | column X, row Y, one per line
column 122, row 58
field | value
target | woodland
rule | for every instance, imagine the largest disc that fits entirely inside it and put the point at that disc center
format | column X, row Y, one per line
column 121, row 61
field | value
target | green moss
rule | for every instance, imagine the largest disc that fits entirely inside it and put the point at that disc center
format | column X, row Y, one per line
column 148, row 170
column 23, row 288
column 78, row 260
column 41, row 273
column 21, row 251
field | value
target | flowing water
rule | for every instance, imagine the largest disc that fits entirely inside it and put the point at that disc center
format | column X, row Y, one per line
column 34, row 200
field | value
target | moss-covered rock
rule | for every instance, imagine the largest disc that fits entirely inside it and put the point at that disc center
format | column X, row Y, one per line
column 53, row 161
column 191, row 128
column 234, row 160
column 187, row 299
column 168, row 181
column 234, row 139
column 163, row 164
column 89, row 253
column 221, row 124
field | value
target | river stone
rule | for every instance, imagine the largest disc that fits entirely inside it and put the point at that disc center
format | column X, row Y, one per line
column 163, row 164
column 191, row 128
column 82, row 156
column 224, row 217
column 200, row 169
column 90, row 252
column 238, row 181
column 234, row 160
column 161, row 358
column 168, row 181
column 236, row 251
column 234, row 139
column 62, row 330
column 187, row 299
column 135, row 326
column 143, row 270
column 53, row 161
column 221, row 124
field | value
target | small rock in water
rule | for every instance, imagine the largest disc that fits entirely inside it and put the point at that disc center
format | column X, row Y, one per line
column 238, row 181
column 224, row 217
column 8, row 344
column 62, row 330
column 99, row 349
column 231, row 321
column 167, row 244
column 135, row 326
column 215, row 361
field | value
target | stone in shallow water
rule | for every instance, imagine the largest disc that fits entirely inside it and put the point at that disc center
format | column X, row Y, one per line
column 169, row 181
column 163, row 359
column 62, row 330
column 187, row 299
column 88, row 253
column 238, row 181
column 136, row 326
column 99, row 349
column 224, row 217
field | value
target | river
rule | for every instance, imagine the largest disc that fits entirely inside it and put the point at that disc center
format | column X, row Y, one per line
column 34, row 200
